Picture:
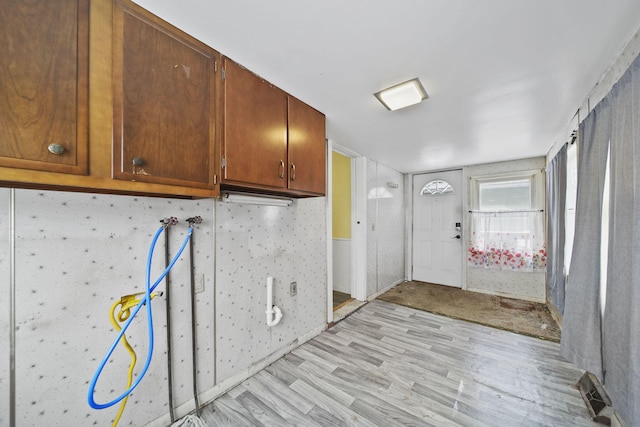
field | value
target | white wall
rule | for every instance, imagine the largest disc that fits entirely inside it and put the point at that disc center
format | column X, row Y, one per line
column 5, row 230
column 520, row 285
column 342, row 265
column 76, row 253
column 597, row 94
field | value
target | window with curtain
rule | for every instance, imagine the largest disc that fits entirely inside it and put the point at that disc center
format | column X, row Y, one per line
column 507, row 227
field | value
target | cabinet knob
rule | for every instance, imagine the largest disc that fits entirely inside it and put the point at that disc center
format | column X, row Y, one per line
column 293, row 172
column 137, row 161
column 56, row 149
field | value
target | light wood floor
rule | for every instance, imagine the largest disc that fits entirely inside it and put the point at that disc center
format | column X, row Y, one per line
column 388, row 365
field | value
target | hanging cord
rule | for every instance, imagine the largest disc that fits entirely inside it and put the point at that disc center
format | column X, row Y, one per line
column 192, row 221
column 167, row 259
column 125, row 304
column 189, row 421
column 145, row 301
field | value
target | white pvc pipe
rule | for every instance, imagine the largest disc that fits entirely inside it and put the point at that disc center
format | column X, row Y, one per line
column 271, row 309
column 269, row 295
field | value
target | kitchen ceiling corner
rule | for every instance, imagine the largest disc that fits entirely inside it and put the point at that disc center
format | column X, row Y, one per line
column 504, row 78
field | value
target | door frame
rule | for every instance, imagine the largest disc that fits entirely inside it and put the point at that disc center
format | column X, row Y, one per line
column 358, row 225
column 465, row 221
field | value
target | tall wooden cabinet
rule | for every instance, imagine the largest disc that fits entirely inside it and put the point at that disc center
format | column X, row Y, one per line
column 163, row 101
column 271, row 140
column 44, row 69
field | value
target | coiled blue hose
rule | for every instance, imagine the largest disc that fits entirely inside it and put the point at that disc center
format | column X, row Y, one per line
column 146, row 300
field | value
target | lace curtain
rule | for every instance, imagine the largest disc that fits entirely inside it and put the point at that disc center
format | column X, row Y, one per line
column 511, row 241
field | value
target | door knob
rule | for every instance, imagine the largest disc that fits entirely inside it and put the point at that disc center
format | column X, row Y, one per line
column 457, row 236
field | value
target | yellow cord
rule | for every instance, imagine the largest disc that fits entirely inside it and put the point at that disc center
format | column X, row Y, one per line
column 125, row 304
column 129, row 349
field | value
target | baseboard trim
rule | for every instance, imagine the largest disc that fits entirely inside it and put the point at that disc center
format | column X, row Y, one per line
column 377, row 294
column 555, row 314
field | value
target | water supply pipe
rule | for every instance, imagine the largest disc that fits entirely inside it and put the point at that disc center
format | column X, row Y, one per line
column 167, row 260
column 194, row 354
column 144, row 302
column 272, row 309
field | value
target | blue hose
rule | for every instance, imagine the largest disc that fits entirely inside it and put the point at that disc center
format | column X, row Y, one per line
column 146, row 300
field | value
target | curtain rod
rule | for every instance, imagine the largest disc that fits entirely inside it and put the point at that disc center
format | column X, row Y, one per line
column 516, row 211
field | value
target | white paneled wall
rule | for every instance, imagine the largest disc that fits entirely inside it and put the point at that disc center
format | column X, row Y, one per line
column 342, row 265
column 76, row 253
column 386, row 228
column 5, row 205
column 372, row 224
column 391, row 229
column 527, row 286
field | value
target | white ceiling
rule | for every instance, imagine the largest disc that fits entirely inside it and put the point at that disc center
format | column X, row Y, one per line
column 504, row 77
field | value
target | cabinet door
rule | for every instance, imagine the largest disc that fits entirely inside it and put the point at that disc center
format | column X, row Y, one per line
column 307, row 148
column 43, row 84
column 164, row 101
column 255, row 129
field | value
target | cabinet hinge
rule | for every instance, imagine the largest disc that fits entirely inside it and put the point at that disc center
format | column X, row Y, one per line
column 215, row 178
column 215, row 66
column 223, row 163
column 224, row 74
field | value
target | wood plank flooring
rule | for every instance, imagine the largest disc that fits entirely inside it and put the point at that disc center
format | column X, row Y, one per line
column 389, row 365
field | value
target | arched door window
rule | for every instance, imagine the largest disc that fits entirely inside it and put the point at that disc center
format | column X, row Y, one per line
column 436, row 187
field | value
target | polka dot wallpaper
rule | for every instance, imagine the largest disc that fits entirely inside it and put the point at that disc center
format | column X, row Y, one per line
column 77, row 253
column 288, row 244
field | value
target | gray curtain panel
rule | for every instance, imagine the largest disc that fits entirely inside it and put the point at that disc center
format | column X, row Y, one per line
column 556, row 207
column 621, row 332
column 581, row 340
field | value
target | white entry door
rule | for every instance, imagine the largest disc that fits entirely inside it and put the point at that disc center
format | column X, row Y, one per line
column 437, row 228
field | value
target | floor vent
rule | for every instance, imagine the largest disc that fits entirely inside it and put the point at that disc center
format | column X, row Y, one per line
column 597, row 400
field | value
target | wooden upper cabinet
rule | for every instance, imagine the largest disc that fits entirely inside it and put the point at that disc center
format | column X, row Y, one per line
column 43, row 85
column 307, row 148
column 103, row 95
column 272, row 141
column 255, row 130
column 164, row 93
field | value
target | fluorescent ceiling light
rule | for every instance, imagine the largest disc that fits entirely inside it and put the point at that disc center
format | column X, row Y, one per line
column 254, row 199
column 402, row 95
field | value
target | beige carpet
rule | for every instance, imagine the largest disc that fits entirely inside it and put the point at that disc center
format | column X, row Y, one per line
column 523, row 317
column 340, row 299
